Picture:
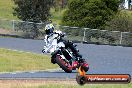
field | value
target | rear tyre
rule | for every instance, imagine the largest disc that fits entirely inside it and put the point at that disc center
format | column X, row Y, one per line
column 80, row 79
column 63, row 64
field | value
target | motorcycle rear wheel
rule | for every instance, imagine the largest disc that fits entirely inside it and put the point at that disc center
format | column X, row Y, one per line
column 63, row 64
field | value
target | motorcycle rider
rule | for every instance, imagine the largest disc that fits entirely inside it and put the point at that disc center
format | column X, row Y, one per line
column 49, row 29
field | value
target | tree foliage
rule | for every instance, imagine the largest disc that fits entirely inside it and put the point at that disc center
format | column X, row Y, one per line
column 121, row 22
column 59, row 4
column 32, row 10
column 90, row 13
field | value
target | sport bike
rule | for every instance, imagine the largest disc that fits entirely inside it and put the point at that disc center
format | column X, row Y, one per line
column 65, row 54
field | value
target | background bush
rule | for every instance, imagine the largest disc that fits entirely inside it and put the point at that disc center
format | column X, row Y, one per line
column 121, row 22
column 90, row 13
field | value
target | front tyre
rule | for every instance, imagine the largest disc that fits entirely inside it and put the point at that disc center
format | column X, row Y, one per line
column 63, row 64
column 85, row 66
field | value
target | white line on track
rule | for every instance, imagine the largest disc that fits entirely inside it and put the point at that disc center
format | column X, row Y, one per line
column 22, row 51
column 33, row 71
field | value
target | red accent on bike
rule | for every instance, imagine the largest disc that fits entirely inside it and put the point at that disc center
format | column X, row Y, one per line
column 85, row 65
column 74, row 64
column 65, row 63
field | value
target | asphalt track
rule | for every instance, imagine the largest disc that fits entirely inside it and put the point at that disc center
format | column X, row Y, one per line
column 103, row 59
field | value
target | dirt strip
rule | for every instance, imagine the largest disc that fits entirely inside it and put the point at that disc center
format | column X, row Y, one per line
column 36, row 82
column 4, row 31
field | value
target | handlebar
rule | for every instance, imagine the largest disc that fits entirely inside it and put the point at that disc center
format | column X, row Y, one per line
column 60, row 34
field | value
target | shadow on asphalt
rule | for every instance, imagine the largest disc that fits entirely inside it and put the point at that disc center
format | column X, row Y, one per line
column 61, row 72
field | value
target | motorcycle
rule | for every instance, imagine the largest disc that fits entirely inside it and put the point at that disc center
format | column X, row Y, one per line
column 65, row 54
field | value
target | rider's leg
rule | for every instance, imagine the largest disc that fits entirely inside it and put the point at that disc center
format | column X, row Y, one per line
column 73, row 49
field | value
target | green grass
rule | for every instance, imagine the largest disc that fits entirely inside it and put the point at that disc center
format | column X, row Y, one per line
column 56, row 16
column 6, row 24
column 6, row 9
column 6, row 12
column 19, row 61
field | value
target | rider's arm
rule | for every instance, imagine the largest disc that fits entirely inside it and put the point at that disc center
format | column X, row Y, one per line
column 46, row 39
